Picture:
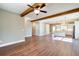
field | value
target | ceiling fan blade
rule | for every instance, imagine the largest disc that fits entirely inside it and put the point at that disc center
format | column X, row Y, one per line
column 37, row 6
column 43, row 11
column 30, row 6
column 43, row 5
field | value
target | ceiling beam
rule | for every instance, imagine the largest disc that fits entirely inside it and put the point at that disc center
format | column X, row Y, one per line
column 58, row 14
column 29, row 10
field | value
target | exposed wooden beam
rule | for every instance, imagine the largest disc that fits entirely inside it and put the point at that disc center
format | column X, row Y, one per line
column 31, row 9
column 58, row 14
column 72, row 22
column 27, row 11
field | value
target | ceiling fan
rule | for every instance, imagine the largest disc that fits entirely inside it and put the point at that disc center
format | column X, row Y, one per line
column 37, row 9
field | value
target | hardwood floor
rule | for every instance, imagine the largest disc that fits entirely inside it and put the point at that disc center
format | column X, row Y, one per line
column 43, row 46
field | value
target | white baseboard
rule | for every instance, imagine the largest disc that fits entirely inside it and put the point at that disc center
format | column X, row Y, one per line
column 43, row 34
column 11, row 43
column 28, row 36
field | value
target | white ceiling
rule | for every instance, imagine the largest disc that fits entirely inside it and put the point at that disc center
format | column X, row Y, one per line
column 68, row 17
column 53, row 8
column 14, row 7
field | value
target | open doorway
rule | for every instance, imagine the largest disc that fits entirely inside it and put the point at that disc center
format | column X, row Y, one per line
column 63, row 30
column 33, row 28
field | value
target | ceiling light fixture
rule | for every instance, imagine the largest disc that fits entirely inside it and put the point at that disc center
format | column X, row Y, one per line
column 36, row 11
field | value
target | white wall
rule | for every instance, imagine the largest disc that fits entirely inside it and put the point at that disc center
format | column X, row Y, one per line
column 47, row 29
column 11, row 27
column 38, row 26
column 40, row 29
column 76, row 29
column 28, row 27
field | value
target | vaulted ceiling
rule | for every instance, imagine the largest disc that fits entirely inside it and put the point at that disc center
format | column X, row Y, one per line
column 54, row 8
column 14, row 7
column 51, row 8
column 64, row 18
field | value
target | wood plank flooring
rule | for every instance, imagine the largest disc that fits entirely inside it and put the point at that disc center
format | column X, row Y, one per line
column 43, row 46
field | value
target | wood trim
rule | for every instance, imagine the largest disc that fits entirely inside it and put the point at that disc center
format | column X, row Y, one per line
column 11, row 43
column 50, row 28
column 30, row 9
column 72, row 22
column 58, row 14
column 27, row 11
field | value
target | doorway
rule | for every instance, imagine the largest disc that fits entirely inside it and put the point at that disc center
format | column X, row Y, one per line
column 65, row 30
column 33, row 28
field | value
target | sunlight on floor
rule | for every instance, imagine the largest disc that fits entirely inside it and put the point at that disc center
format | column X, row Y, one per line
column 62, row 39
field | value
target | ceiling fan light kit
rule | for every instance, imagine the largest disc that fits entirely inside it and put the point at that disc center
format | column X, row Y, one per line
column 37, row 8
column 36, row 11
